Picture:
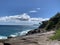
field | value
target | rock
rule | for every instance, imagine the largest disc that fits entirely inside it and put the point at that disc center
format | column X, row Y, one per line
column 1, row 43
column 7, row 44
column 36, row 31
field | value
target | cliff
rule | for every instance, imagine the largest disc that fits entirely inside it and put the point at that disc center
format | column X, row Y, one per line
column 52, row 24
column 44, row 32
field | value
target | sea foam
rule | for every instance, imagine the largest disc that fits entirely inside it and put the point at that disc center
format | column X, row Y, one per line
column 19, row 33
column 3, row 37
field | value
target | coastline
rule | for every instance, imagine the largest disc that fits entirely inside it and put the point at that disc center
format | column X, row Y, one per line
column 14, row 31
column 34, row 39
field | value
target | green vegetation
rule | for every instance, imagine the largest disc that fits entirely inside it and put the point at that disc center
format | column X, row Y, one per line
column 52, row 24
column 56, row 36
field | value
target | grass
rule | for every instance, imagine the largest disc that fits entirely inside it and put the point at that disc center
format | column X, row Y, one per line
column 56, row 36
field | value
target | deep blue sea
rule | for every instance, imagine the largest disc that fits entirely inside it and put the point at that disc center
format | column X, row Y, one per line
column 15, row 30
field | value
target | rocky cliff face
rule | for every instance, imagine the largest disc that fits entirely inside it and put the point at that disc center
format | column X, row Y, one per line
column 52, row 24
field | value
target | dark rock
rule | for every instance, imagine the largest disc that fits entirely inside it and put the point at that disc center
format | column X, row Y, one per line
column 36, row 31
column 9, row 37
column 52, row 24
column 7, row 44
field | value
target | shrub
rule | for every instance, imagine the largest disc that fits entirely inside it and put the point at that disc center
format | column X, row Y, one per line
column 56, row 36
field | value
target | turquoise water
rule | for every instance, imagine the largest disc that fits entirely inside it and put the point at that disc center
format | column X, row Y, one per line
column 18, row 30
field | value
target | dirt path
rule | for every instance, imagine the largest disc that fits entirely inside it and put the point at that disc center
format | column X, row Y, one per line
column 35, row 39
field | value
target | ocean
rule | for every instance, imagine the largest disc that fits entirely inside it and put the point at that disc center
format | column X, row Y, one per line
column 15, row 30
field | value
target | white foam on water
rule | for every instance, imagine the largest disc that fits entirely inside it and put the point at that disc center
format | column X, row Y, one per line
column 19, row 33
column 13, row 35
column 24, row 32
column 3, row 37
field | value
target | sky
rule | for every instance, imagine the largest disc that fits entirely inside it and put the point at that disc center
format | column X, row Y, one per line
column 35, row 9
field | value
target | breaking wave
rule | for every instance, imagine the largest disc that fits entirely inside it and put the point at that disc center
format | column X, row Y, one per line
column 20, row 33
column 3, row 37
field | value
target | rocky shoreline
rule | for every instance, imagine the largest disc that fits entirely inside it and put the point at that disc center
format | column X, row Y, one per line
column 39, row 36
column 36, row 31
column 34, row 39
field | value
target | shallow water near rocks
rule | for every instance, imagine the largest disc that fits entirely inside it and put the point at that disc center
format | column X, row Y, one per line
column 15, row 30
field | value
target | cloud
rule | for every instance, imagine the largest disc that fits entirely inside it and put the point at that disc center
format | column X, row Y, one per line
column 39, row 19
column 38, row 8
column 16, row 17
column 20, row 19
column 24, row 17
column 33, row 11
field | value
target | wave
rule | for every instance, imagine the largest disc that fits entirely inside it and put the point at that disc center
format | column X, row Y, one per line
column 19, row 33
column 22, row 33
column 3, row 37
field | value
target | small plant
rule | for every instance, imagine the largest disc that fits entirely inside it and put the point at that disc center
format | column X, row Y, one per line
column 56, row 36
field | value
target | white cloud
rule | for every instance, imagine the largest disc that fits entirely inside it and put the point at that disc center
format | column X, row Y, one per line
column 20, row 19
column 33, row 11
column 39, row 19
column 38, row 8
column 24, row 17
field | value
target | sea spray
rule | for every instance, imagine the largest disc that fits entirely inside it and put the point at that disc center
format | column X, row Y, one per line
column 14, row 30
column 20, row 33
column 3, row 37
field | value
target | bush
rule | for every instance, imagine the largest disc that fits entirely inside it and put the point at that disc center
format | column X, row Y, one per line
column 56, row 36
